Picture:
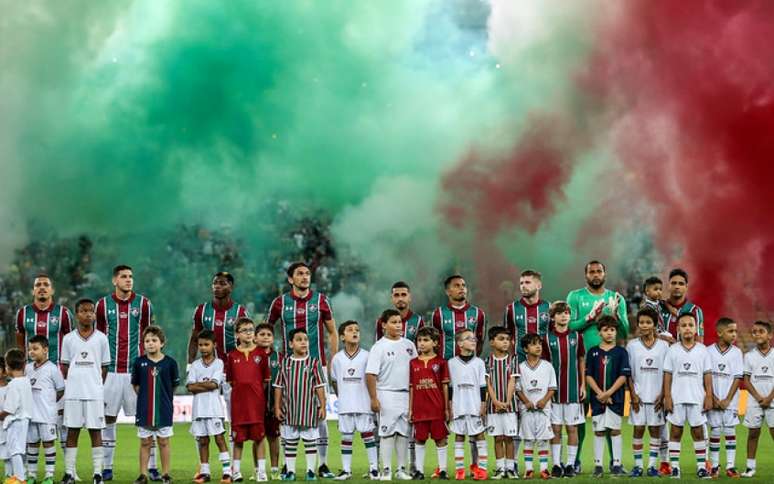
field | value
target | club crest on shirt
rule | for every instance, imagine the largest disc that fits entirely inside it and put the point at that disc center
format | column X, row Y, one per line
column 471, row 320
column 155, row 371
column 648, row 361
column 312, row 308
column 84, row 354
column 544, row 317
column 54, row 319
column 410, row 351
column 230, row 322
column 384, row 428
column 765, row 369
column 533, row 383
column 436, row 367
column 32, row 381
column 721, row 366
column 135, row 312
column 350, row 371
column 687, row 366
column 412, row 330
column 274, row 364
column 257, row 359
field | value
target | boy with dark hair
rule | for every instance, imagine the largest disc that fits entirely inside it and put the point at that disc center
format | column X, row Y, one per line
column 607, row 368
column 759, row 382
column 502, row 370
column 16, row 413
column 264, row 338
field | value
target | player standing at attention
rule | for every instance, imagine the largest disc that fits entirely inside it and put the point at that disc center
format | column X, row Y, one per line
column 299, row 402
column 264, row 338
column 467, row 395
column 44, row 318
column 301, row 307
column 535, row 391
column 429, row 401
column 154, row 378
column 759, row 382
column 529, row 314
column 348, row 379
column 7, row 466
column 15, row 414
column 502, row 370
column 607, row 369
column 47, row 389
column 247, row 372
column 204, row 380
column 677, row 304
column 85, row 360
column 565, row 350
column 401, row 301
column 727, row 373
column 646, row 386
column 122, row 316
column 687, row 393
column 387, row 377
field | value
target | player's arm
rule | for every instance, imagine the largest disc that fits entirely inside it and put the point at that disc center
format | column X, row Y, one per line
column 371, row 385
column 480, row 332
column 65, row 367
column 192, row 341
column 511, row 390
column 446, row 409
column 578, row 322
column 321, row 400
column 20, row 329
column 618, row 383
column 634, row 399
column 541, row 404
column 667, row 391
column 334, row 375
column 751, row 388
column 411, row 403
column 278, row 403
column 333, row 336
column 730, row 395
column 708, row 391
column 623, row 317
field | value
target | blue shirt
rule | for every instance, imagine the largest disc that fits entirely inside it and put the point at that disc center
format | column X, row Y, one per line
column 606, row 367
column 157, row 382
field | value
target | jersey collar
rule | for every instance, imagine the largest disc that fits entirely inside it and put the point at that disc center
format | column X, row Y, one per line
column 46, row 310
column 226, row 307
column 127, row 301
column 528, row 305
column 298, row 298
column 461, row 310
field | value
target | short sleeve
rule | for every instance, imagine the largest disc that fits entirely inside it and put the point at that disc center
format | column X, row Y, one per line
column 66, row 355
column 319, row 374
column 192, row 376
column 196, row 319
column 12, row 400
column 374, row 361
column 56, row 375
column 589, row 364
column 707, row 362
column 265, row 369
column 668, row 363
column 136, row 372
column 738, row 366
column 174, row 373
column 444, row 371
column 67, row 323
column 334, row 365
column 482, row 373
column 104, row 347
column 581, row 345
column 20, row 321
column 551, row 377
column 515, row 367
column 227, row 369
column 747, row 365
column 217, row 374
column 279, row 381
column 326, row 309
column 275, row 311
column 623, row 362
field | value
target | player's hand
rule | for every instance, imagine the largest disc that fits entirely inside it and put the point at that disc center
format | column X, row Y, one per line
column 612, row 303
column 635, row 403
column 321, row 413
column 601, row 396
column 723, row 404
column 541, row 404
column 596, row 310
column 411, row 417
column 482, row 411
column 659, row 403
column 447, row 412
column 668, row 405
column 529, row 405
column 707, row 403
column 375, row 407
column 582, row 393
column 278, row 414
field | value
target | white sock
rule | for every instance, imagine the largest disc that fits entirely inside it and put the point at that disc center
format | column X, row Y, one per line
column 97, row 458
column 653, row 449
column 322, row 443
column 386, row 444
column 236, row 464
column 443, row 457
column 109, row 444
column 225, row 462
column 599, row 449
column 50, row 463
column 516, row 446
column 152, row 456
column 730, row 441
column 714, row 446
column 482, row 457
column 33, row 452
column 751, row 464
column 572, row 453
column 510, row 465
column 204, row 468
column 419, row 456
column 556, row 454
column 500, row 464
column 17, row 461
column 401, row 449
column 71, row 454
column 663, row 450
column 617, row 441
column 262, row 465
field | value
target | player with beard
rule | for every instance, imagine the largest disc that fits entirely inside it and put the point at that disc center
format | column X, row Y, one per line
column 44, row 318
column 677, row 304
column 587, row 305
column 301, row 307
column 528, row 314
column 401, row 300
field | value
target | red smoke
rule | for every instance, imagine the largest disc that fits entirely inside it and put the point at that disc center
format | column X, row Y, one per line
column 691, row 84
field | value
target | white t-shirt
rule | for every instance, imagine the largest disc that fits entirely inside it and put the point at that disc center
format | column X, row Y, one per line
column 18, row 400
column 85, row 359
column 207, row 404
column 535, row 382
column 647, row 366
column 389, row 361
column 760, row 368
column 726, row 367
column 466, row 380
column 688, row 368
column 46, row 380
column 349, row 374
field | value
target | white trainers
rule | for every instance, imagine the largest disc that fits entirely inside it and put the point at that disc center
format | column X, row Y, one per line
column 402, row 475
column 386, row 475
column 748, row 473
column 261, row 476
column 343, row 476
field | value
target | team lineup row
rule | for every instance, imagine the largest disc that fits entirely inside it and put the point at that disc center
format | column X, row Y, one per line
column 124, row 314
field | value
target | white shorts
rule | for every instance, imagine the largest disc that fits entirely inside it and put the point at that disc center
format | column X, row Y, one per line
column 84, row 413
column 15, row 439
column 690, row 413
column 467, row 425
column 349, row 423
column 41, row 432
column 162, row 432
column 755, row 415
column 723, row 418
column 498, row 424
column 609, row 420
column 647, row 416
column 567, row 414
column 204, row 427
column 289, row 432
column 393, row 417
column 536, row 425
column 120, row 394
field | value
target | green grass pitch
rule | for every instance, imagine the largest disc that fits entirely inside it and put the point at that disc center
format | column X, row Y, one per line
column 184, row 460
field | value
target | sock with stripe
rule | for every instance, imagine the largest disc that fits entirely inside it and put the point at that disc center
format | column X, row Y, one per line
column 370, row 444
column 701, row 453
column 473, row 451
column 714, row 446
column 730, row 435
column 543, row 454
column 291, row 448
column 346, row 452
column 663, row 450
column 311, row 448
column 109, row 444
column 529, row 448
column 459, row 455
column 50, row 463
column 674, row 454
column 637, row 450
column 225, row 462
column 32, row 460
column 483, row 457
column 653, row 449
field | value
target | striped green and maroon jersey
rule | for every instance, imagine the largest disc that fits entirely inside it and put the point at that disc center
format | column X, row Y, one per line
column 500, row 371
column 310, row 312
column 156, row 381
column 299, row 379
column 521, row 318
column 449, row 321
column 670, row 320
column 221, row 321
column 411, row 323
column 53, row 322
column 563, row 351
column 123, row 322
column 605, row 367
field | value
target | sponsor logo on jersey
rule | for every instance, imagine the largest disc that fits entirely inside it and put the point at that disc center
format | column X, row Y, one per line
column 123, row 315
column 300, row 311
column 42, row 324
column 531, row 320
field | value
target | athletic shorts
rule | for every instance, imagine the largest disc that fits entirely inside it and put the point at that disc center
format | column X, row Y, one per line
column 723, row 418
column 648, row 416
column 607, row 420
column 536, row 425
column 467, row 425
column 435, row 429
column 154, row 432
column 393, row 416
column 290, row 432
column 498, row 424
column 207, row 426
column 755, row 415
column 244, row 432
column 15, row 438
column 119, row 394
column 349, row 423
column 687, row 413
column 567, row 414
column 84, row 413
column 41, row 432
